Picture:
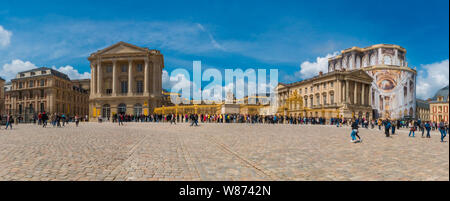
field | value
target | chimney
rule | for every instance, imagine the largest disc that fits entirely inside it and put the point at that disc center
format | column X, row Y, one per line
column 320, row 73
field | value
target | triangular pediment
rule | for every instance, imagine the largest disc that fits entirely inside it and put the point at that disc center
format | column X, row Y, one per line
column 121, row 48
column 360, row 74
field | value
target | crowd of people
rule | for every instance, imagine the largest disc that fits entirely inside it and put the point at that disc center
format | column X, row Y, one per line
column 389, row 126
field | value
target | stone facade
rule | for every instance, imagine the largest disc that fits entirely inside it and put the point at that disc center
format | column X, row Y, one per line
column 338, row 94
column 422, row 110
column 125, row 79
column 439, row 106
column 2, row 95
column 393, row 90
column 44, row 89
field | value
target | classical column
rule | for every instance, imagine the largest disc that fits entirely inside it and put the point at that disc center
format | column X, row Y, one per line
column 347, row 95
column 114, row 78
column 363, row 95
column 146, row 77
column 130, row 77
column 353, row 60
column 355, row 93
column 338, row 90
column 99, row 79
column 380, row 56
column 92, row 79
column 154, row 78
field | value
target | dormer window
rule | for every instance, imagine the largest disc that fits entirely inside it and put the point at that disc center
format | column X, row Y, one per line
column 33, row 73
column 43, row 72
column 22, row 74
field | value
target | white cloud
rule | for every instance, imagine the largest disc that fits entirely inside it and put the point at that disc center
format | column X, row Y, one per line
column 169, row 82
column 5, row 37
column 431, row 78
column 72, row 72
column 10, row 70
column 310, row 69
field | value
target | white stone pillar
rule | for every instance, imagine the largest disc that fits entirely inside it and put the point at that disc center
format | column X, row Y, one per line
column 114, row 78
column 363, row 86
column 146, row 77
column 93, row 79
column 347, row 94
column 99, row 79
column 130, row 77
column 154, row 83
column 353, row 60
column 355, row 93
column 380, row 56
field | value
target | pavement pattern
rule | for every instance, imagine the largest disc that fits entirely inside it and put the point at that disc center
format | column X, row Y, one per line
column 160, row 151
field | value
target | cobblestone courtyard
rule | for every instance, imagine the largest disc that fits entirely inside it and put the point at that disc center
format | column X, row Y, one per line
column 150, row 151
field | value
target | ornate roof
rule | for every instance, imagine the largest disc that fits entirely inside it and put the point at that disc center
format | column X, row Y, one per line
column 441, row 93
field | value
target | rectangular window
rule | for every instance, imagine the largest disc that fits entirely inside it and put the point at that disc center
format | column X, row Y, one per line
column 124, row 87
column 108, row 91
column 30, row 84
column 331, row 84
column 139, row 86
column 139, row 68
column 108, row 69
column 20, row 85
column 123, row 68
column 42, row 83
column 324, row 99
column 332, row 98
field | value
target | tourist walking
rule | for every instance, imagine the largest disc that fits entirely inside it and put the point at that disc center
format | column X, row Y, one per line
column 443, row 131
column 428, row 128
column 387, row 126
column 44, row 119
column 8, row 122
column 412, row 128
column 354, row 132
column 77, row 120
column 120, row 119
column 394, row 124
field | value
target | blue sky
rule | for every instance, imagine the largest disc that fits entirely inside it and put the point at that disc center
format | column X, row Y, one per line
column 224, row 34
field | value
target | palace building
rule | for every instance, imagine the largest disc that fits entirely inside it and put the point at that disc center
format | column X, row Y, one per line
column 439, row 106
column 393, row 90
column 44, row 89
column 337, row 94
column 2, row 95
column 422, row 110
column 125, row 79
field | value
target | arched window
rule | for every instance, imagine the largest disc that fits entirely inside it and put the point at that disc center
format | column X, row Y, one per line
column 137, row 109
column 106, row 111
column 122, row 108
